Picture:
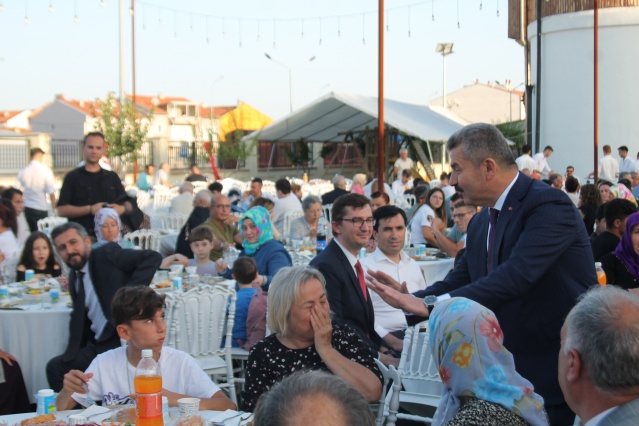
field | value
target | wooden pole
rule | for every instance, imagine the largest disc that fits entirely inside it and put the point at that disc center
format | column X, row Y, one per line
column 596, row 90
column 133, row 100
column 380, row 100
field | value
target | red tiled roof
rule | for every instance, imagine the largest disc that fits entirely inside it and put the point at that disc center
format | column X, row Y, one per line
column 8, row 115
column 82, row 106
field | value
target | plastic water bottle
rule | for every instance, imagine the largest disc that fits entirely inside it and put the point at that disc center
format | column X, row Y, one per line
column 601, row 275
column 148, row 391
column 45, row 401
column 322, row 226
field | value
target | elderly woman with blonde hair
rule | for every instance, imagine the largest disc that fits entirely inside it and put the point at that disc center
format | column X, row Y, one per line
column 359, row 181
column 304, row 338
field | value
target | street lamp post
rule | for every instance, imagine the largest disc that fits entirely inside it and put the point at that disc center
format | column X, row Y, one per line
column 445, row 49
column 290, row 69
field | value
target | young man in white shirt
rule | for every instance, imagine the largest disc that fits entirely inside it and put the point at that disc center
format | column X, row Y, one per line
column 390, row 232
column 138, row 313
column 402, row 163
column 36, row 180
column 403, row 183
column 626, row 165
column 541, row 162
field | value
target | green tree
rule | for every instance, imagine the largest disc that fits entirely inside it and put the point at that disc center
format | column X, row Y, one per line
column 236, row 147
column 300, row 155
column 123, row 126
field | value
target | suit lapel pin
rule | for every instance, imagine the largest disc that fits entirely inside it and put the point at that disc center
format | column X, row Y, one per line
column 510, row 208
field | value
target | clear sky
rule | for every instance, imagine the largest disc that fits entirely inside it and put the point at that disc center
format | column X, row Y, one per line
column 52, row 54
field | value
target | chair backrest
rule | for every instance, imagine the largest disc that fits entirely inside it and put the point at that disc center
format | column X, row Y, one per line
column 288, row 218
column 146, row 239
column 163, row 199
column 410, row 199
column 168, row 221
column 327, row 212
column 48, row 223
column 199, row 185
column 417, row 368
column 199, row 322
column 143, row 199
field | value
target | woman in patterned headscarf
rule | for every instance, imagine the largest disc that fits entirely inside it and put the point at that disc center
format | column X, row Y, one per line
column 481, row 385
column 268, row 253
column 108, row 228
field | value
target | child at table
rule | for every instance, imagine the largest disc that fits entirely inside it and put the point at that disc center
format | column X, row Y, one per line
column 38, row 255
column 245, row 273
column 201, row 241
column 138, row 313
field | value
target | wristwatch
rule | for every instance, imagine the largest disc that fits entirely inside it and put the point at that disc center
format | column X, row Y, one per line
column 429, row 302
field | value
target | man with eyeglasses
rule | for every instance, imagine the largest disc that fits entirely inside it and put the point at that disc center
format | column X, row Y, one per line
column 348, row 297
column 223, row 233
column 462, row 214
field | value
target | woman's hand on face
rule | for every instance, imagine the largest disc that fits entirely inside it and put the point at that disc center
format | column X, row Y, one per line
column 322, row 327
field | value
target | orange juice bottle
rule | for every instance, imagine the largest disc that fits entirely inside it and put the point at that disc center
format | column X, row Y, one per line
column 148, row 391
column 601, row 275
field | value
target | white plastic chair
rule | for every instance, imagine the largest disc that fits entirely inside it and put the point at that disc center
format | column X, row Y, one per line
column 146, row 239
column 198, row 324
column 48, row 223
column 417, row 374
column 288, row 218
column 163, row 199
column 143, row 199
column 168, row 221
column 410, row 199
column 327, row 212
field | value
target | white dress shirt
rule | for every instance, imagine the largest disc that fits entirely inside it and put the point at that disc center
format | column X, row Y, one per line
column 541, row 163
column 525, row 162
column 387, row 318
column 36, row 181
column 349, row 256
column 626, row 165
column 92, row 303
column 599, row 417
column 608, row 168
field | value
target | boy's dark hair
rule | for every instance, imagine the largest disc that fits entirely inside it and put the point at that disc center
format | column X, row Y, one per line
column 244, row 270
column 216, row 186
column 571, row 184
column 256, row 180
column 200, row 233
column 378, row 194
column 135, row 303
column 618, row 209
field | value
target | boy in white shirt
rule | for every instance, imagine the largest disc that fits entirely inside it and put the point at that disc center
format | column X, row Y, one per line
column 138, row 313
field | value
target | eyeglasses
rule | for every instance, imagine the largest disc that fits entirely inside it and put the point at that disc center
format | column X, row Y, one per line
column 460, row 215
column 359, row 222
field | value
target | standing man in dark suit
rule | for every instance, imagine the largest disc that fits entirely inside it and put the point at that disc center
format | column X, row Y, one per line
column 94, row 278
column 352, row 221
column 339, row 183
column 527, row 258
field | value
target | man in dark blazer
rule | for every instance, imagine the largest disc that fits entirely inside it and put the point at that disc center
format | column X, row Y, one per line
column 352, row 221
column 94, row 278
column 339, row 183
column 538, row 264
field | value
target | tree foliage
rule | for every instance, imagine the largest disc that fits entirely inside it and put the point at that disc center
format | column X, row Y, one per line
column 123, row 126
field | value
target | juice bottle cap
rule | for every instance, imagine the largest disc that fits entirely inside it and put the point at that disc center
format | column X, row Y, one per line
column 597, row 264
column 45, row 392
column 147, row 353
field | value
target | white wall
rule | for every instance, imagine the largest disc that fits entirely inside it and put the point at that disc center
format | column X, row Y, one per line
column 567, row 104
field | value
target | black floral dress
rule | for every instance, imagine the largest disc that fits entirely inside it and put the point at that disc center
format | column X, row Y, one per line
column 477, row 412
column 270, row 361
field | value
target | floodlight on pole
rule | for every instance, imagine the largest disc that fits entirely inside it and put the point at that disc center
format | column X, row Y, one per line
column 445, row 49
column 290, row 68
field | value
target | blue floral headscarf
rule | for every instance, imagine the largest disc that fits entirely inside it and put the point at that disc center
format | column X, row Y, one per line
column 100, row 217
column 262, row 220
column 467, row 345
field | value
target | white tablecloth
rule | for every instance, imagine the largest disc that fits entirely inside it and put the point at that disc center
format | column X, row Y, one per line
column 436, row 270
column 34, row 337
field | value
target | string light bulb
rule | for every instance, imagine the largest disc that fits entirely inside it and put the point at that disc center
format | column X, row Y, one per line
column 102, row 4
column 76, row 20
column 26, row 20
column 51, row 9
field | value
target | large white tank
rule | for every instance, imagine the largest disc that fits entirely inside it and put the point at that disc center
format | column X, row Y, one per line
column 567, row 86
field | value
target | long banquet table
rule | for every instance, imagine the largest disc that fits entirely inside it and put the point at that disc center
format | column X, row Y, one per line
column 436, row 270
column 34, row 336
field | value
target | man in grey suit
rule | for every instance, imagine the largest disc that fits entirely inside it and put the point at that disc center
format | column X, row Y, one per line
column 599, row 361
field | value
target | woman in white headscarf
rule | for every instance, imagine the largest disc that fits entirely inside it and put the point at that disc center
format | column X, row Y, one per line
column 481, row 385
column 108, row 228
